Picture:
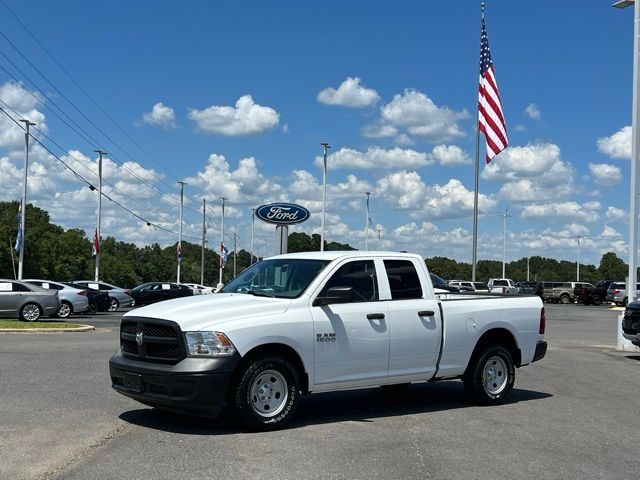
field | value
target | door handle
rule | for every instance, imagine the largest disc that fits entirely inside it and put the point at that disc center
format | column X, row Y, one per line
column 426, row 313
column 375, row 316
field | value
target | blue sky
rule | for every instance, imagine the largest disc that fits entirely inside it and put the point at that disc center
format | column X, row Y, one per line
column 400, row 117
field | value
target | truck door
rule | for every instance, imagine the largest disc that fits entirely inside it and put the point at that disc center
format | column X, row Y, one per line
column 414, row 322
column 351, row 339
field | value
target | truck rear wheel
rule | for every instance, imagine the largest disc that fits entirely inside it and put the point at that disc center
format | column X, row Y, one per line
column 565, row 299
column 266, row 394
column 490, row 375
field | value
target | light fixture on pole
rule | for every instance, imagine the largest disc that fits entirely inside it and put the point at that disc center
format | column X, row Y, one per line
column 366, row 223
column 98, row 235
column 504, row 241
column 23, row 201
column 325, row 146
column 179, row 248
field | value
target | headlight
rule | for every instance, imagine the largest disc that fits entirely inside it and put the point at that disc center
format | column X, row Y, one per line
column 208, row 344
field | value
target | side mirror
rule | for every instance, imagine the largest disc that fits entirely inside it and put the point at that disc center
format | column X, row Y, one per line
column 335, row 295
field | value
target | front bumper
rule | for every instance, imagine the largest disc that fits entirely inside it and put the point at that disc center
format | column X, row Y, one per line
column 541, row 351
column 195, row 386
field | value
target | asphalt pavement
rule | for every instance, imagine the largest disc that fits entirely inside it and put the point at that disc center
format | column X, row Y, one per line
column 571, row 415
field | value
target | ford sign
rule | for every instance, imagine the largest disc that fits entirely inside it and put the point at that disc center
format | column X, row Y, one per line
column 282, row 213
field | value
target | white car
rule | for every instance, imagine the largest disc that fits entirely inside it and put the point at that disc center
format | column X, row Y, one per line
column 319, row 322
column 470, row 286
column 196, row 287
column 502, row 285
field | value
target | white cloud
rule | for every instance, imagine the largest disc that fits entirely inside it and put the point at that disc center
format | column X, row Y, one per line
column 451, row 155
column 572, row 210
column 605, row 174
column 614, row 214
column 160, row 115
column 520, row 128
column 24, row 103
column 246, row 118
column 533, row 111
column 418, row 116
column 350, row 93
column 532, row 172
column 407, row 191
column 376, row 158
column 617, row 145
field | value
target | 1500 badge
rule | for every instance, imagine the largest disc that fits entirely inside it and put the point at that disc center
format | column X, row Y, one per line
column 325, row 337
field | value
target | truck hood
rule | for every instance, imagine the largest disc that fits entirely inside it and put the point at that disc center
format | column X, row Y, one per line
column 195, row 313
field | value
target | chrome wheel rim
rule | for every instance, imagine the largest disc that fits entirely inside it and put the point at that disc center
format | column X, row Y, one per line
column 114, row 305
column 31, row 313
column 494, row 375
column 64, row 311
column 269, row 393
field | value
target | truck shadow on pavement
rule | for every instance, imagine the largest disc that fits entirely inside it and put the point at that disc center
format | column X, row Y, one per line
column 355, row 405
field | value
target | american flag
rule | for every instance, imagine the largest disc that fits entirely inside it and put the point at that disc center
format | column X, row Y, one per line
column 490, row 117
column 95, row 246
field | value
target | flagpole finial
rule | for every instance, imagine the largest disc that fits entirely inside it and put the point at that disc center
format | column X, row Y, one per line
column 482, row 6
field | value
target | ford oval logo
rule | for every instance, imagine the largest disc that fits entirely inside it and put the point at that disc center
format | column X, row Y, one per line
column 282, row 213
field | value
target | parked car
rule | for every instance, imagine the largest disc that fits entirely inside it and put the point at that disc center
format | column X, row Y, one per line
column 442, row 284
column 72, row 299
column 617, row 293
column 463, row 285
column 566, row 293
column 321, row 324
column 502, row 285
column 530, row 288
column 119, row 296
column 153, row 292
column 593, row 295
column 27, row 302
column 631, row 323
column 201, row 288
column 547, row 291
column 99, row 301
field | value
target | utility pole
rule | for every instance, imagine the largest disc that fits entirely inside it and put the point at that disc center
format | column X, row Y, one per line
column 325, row 146
column 379, row 239
column 253, row 224
column 204, row 232
column 366, row 223
column 578, row 237
column 235, row 253
column 99, row 223
column 182, row 184
column 528, row 268
column 220, row 284
column 504, row 242
column 23, row 204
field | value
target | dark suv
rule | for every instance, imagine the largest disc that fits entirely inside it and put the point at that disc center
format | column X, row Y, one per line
column 593, row 295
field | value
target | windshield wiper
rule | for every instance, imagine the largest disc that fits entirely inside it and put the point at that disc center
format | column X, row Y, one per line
column 259, row 293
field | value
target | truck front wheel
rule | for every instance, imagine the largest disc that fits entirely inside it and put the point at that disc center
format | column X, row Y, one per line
column 490, row 376
column 265, row 396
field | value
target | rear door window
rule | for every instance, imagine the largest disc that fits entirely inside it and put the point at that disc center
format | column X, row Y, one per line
column 18, row 287
column 403, row 279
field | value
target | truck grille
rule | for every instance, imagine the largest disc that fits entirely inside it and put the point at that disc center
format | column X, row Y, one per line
column 162, row 340
column 631, row 321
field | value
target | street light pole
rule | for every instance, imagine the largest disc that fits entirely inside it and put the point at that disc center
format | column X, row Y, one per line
column 578, row 237
column 179, row 255
column 366, row 223
column 204, row 232
column 220, row 284
column 99, row 226
column 379, row 231
column 325, row 146
column 23, row 202
column 504, row 242
column 253, row 224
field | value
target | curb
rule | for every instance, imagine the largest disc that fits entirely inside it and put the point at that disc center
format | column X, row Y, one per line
column 82, row 328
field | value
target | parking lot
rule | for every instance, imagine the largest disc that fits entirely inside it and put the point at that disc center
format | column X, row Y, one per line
column 572, row 415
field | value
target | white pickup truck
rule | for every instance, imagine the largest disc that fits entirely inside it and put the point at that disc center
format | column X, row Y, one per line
column 317, row 322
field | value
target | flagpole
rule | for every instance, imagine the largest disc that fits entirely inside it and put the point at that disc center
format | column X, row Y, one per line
column 366, row 223
column 98, row 226
column 179, row 253
column 220, row 284
column 23, row 212
column 474, row 254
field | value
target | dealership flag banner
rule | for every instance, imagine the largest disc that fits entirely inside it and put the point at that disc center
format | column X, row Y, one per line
column 224, row 254
column 95, row 247
column 19, row 237
column 490, row 122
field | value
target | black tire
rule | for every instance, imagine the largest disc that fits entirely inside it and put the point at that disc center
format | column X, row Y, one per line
column 115, row 304
column 625, row 302
column 65, row 310
column 565, row 299
column 596, row 300
column 93, row 308
column 30, row 312
column 490, row 358
column 247, row 408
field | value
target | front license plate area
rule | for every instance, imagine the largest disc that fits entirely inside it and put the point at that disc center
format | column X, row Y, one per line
column 133, row 382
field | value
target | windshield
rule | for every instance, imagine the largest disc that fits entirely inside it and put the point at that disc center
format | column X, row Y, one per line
column 282, row 278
